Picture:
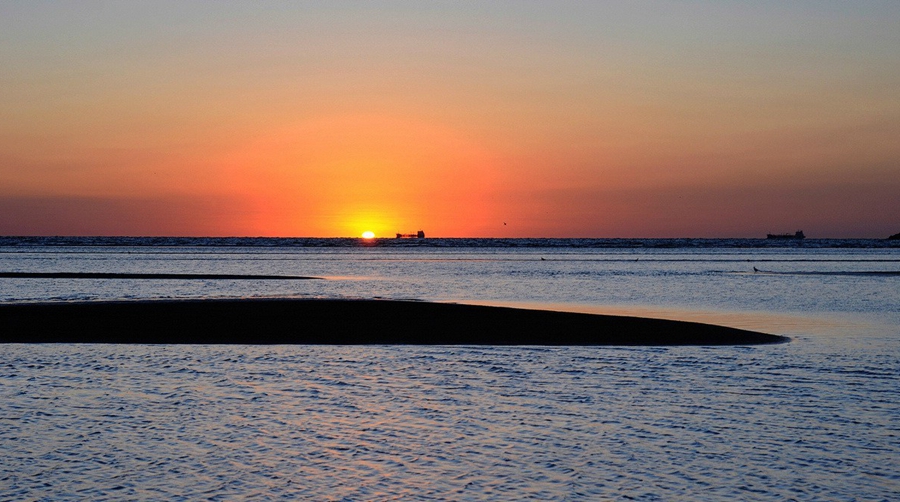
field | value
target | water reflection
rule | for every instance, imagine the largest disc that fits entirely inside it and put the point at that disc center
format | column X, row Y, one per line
column 427, row 423
column 820, row 324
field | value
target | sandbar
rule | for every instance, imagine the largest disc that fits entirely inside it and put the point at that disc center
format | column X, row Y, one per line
column 345, row 322
column 168, row 276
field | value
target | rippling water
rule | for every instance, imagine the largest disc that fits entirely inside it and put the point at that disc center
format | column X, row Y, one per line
column 818, row 418
column 417, row 423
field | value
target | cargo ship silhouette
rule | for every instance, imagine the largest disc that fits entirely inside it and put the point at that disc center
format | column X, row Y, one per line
column 796, row 235
column 418, row 235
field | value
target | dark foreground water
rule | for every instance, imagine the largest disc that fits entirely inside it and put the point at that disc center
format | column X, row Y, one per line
column 814, row 419
column 351, row 423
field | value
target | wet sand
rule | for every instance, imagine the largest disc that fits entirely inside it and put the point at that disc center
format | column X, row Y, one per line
column 344, row 322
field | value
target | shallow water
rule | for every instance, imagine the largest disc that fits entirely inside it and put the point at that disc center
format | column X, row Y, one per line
column 351, row 423
column 686, row 279
column 814, row 419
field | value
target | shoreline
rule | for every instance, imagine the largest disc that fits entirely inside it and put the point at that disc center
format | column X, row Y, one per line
column 346, row 322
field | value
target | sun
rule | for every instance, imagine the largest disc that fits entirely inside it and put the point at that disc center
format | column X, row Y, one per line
column 368, row 234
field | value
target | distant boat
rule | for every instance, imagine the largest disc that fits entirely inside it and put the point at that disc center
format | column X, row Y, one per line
column 418, row 235
column 796, row 235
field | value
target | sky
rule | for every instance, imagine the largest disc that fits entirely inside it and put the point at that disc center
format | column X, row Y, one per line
column 463, row 119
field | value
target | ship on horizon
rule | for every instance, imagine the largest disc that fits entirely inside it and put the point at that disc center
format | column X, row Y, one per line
column 418, row 235
column 796, row 235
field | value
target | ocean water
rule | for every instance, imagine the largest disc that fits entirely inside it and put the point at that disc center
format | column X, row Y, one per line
column 814, row 419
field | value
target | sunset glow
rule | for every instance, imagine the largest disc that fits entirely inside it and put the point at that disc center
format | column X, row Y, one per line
column 489, row 119
column 368, row 234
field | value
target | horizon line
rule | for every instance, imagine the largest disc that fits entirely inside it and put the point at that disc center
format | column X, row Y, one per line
column 124, row 236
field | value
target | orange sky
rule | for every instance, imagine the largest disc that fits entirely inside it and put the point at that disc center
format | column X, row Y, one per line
column 658, row 119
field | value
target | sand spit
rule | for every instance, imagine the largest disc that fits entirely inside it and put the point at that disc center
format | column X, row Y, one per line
column 105, row 275
column 344, row 322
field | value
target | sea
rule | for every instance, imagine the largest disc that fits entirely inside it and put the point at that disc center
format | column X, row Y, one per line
column 817, row 418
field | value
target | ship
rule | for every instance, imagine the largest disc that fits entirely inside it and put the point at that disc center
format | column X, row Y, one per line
column 418, row 235
column 796, row 235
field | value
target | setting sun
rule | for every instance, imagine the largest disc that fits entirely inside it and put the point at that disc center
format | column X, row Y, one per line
column 368, row 234
column 325, row 118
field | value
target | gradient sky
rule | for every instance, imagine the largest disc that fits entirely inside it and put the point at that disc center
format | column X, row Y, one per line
column 560, row 119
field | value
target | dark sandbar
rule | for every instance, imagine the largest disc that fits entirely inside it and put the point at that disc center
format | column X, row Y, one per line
column 344, row 322
column 104, row 275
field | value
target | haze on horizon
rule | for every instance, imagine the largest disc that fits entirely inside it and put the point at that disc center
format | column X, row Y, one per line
column 482, row 119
